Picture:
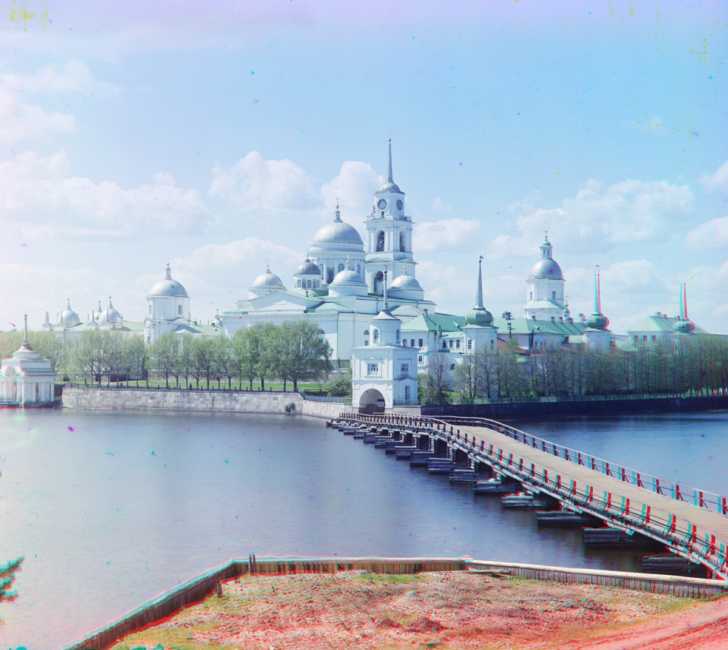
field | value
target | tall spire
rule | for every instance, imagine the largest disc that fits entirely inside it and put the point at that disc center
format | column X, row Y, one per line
column 684, row 297
column 479, row 293
column 337, row 218
column 598, row 320
column 390, row 176
column 168, row 272
column 26, row 344
column 597, row 291
column 479, row 315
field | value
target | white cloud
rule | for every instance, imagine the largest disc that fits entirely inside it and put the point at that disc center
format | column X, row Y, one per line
column 254, row 183
column 599, row 216
column 220, row 274
column 20, row 121
column 41, row 196
column 444, row 234
column 353, row 187
column 718, row 180
column 711, row 234
column 71, row 77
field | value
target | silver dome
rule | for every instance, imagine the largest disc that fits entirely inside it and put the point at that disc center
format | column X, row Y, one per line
column 168, row 287
column 69, row 318
column 268, row 280
column 406, row 282
column 111, row 314
column 308, row 268
column 338, row 233
column 347, row 276
column 547, row 268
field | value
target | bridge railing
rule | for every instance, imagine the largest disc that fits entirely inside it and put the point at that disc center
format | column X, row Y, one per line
column 680, row 534
column 680, row 491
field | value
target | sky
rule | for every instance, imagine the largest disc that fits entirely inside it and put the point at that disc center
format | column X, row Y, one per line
column 219, row 136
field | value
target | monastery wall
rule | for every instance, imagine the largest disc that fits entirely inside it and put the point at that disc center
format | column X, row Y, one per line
column 202, row 401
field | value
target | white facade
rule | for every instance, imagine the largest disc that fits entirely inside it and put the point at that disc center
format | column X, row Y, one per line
column 384, row 372
column 26, row 378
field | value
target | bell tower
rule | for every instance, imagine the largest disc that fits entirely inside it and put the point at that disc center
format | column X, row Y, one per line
column 389, row 234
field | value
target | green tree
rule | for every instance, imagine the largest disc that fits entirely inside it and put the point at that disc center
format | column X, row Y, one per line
column 302, row 352
column 164, row 356
column 247, row 351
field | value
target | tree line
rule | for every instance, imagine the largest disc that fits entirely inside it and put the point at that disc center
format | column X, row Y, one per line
column 695, row 365
column 289, row 353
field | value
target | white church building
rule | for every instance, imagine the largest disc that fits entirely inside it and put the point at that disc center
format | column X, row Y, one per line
column 27, row 378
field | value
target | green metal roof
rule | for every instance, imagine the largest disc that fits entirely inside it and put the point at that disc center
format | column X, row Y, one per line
column 434, row 322
column 528, row 325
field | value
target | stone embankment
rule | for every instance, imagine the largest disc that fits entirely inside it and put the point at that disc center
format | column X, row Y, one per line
column 199, row 401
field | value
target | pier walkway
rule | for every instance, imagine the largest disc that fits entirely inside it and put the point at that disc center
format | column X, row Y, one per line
column 690, row 522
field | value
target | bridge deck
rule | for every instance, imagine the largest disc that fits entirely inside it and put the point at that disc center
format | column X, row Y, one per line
column 705, row 520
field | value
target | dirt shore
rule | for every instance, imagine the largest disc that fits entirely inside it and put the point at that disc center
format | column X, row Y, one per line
column 434, row 610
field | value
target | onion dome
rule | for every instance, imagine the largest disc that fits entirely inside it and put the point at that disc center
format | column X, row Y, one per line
column 308, row 268
column 547, row 268
column 479, row 316
column 406, row 286
column 266, row 283
column 112, row 315
column 69, row 318
column 168, row 287
column 598, row 322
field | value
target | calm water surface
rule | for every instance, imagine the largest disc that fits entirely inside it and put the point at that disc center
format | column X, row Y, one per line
column 110, row 510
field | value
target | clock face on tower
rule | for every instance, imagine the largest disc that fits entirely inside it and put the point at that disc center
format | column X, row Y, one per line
column 381, row 204
column 400, row 204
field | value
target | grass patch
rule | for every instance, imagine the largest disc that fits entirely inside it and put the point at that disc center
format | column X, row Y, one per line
column 388, row 578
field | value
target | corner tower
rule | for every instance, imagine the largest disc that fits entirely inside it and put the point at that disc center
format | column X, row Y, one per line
column 389, row 235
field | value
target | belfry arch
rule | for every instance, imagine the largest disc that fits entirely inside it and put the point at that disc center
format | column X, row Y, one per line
column 371, row 401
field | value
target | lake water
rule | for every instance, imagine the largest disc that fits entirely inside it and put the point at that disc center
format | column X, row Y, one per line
column 111, row 510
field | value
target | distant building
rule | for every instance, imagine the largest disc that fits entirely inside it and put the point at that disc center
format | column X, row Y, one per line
column 27, row 378
column 168, row 310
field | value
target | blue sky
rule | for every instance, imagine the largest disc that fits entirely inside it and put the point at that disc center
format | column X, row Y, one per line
column 219, row 139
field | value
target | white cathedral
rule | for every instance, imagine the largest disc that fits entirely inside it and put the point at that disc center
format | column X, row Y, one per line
column 340, row 286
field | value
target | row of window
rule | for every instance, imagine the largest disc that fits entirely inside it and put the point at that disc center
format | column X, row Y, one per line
column 373, row 369
column 307, row 284
column 380, row 242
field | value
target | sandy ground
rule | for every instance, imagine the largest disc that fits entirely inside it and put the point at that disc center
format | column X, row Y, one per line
column 435, row 610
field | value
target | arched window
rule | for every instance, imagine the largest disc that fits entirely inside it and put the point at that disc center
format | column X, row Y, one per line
column 375, row 334
column 358, row 269
column 530, row 295
column 179, row 310
column 402, row 246
column 379, row 283
column 380, row 241
column 340, row 267
column 329, row 275
column 553, row 296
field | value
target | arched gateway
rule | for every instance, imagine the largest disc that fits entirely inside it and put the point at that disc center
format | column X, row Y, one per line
column 371, row 401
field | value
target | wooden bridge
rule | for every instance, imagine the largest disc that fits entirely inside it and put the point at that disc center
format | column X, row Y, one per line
column 690, row 522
